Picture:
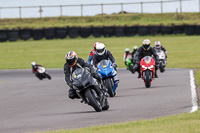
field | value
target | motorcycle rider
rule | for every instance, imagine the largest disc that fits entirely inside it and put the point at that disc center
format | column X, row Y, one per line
column 35, row 68
column 73, row 62
column 127, row 52
column 145, row 50
column 101, row 54
column 135, row 48
column 158, row 46
column 92, row 53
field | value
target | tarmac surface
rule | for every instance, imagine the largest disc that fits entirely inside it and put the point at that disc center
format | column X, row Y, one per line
column 30, row 105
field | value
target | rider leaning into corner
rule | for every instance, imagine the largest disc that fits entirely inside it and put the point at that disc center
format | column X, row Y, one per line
column 158, row 46
column 101, row 54
column 35, row 67
column 92, row 53
column 145, row 50
column 73, row 62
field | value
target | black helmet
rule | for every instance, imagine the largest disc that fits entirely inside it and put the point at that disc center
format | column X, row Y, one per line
column 71, row 58
column 146, row 44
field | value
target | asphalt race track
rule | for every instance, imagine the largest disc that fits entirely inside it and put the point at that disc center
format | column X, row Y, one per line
column 29, row 105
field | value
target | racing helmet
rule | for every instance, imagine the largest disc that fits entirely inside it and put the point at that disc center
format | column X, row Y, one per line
column 71, row 58
column 33, row 63
column 127, row 50
column 95, row 45
column 135, row 48
column 100, row 48
column 157, row 45
column 146, row 44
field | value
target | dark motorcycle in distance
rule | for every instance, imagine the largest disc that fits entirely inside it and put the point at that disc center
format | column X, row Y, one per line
column 41, row 73
column 89, row 90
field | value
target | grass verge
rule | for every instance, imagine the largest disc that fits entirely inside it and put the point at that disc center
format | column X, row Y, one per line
column 183, row 51
column 103, row 20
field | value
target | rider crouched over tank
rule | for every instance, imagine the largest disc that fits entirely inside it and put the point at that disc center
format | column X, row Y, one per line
column 145, row 50
column 101, row 54
column 72, row 63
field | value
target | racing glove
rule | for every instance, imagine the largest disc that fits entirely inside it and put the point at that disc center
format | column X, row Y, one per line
column 96, row 76
column 115, row 65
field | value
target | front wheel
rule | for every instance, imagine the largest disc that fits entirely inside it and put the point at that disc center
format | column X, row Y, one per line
column 92, row 100
column 147, row 79
column 109, row 86
column 48, row 76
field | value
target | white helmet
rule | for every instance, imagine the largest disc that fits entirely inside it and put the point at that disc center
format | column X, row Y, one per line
column 100, row 48
column 157, row 45
column 33, row 63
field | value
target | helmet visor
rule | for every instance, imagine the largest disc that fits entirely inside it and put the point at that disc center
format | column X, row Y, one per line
column 100, row 50
column 157, row 46
column 71, row 62
column 146, row 47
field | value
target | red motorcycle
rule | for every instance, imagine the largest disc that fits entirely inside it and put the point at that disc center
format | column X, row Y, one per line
column 147, row 65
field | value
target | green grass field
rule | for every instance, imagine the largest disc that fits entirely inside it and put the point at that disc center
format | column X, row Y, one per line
column 183, row 51
column 103, row 20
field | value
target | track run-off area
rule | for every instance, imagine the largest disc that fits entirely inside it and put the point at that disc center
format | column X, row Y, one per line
column 28, row 104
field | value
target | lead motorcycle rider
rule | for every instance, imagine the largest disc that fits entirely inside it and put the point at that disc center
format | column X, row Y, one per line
column 73, row 62
column 145, row 50
column 101, row 54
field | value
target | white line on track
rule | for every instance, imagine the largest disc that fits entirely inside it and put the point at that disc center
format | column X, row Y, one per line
column 193, row 92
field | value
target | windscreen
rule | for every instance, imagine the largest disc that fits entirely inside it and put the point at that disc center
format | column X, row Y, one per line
column 158, row 50
column 147, row 59
column 103, row 63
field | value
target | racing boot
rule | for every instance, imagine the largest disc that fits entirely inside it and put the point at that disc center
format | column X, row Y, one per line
column 139, row 75
column 103, row 88
column 116, row 81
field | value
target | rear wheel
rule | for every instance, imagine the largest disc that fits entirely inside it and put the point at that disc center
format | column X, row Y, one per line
column 93, row 101
column 148, row 79
column 109, row 86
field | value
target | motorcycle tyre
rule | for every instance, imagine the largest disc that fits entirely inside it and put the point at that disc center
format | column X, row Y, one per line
column 147, row 84
column 92, row 100
column 162, row 69
column 109, row 86
column 48, row 76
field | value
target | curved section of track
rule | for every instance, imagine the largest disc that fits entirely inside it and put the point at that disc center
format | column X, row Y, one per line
column 28, row 105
